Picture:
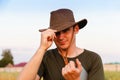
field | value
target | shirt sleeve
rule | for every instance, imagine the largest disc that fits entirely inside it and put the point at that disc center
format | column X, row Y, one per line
column 96, row 72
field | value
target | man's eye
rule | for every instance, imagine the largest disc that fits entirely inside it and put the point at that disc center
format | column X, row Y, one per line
column 57, row 33
column 64, row 31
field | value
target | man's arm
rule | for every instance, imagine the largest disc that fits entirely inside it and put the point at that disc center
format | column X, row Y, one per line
column 37, row 77
column 29, row 72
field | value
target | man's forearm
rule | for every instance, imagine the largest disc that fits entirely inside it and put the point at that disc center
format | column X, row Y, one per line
column 29, row 72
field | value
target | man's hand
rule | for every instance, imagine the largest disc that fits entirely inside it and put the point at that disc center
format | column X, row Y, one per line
column 47, row 38
column 72, row 70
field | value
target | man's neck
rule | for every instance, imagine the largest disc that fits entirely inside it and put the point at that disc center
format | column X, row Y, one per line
column 71, row 52
column 74, row 52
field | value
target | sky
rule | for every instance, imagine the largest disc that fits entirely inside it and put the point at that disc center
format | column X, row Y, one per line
column 20, row 21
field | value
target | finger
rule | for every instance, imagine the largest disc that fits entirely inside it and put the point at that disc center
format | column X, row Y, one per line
column 72, row 65
column 49, row 38
column 54, row 30
column 51, row 34
column 54, row 33
column 68, row 68
column 65, row 73
column 78, row 63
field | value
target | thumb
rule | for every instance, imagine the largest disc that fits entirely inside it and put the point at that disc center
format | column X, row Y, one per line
column 78, row 64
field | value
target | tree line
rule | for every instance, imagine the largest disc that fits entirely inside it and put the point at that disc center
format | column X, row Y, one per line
column 7, row 58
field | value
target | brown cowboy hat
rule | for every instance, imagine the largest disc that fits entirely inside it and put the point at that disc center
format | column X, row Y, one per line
column 62, row 19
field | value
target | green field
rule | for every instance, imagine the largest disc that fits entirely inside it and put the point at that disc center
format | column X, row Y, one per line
column 8, row 75
column 112, row 75
column 109, row 75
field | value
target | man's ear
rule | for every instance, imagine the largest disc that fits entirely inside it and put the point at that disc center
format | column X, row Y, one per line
column 76, row 29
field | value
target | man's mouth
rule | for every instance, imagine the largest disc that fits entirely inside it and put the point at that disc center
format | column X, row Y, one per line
column 62, row 42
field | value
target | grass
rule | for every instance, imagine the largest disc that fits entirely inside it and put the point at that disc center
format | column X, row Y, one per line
column 109, row 75
column 8, row 75
column 112, row 75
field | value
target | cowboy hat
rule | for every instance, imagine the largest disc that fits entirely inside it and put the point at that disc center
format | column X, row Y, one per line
column 62, row 19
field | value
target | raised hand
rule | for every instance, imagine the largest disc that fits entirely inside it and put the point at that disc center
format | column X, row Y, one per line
column 47, row 38
column 72, row 70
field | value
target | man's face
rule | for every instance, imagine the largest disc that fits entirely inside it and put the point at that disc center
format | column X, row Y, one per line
column 65, row 38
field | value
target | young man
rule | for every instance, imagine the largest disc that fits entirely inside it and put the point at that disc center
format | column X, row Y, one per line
column 67, row 61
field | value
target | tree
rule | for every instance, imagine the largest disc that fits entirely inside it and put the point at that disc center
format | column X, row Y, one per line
column 7, row 58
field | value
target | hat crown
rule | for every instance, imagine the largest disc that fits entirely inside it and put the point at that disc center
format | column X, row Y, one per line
column 61, row 17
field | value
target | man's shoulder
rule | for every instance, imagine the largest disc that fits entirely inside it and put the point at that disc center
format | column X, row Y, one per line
column 91, row 54
column 51, row 55
column 90, row 58
column 50, row 52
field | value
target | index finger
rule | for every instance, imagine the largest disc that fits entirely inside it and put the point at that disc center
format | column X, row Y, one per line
column 78, row 63
column 72, row 64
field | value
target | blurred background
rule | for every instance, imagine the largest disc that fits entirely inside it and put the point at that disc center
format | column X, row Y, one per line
column 20, row 21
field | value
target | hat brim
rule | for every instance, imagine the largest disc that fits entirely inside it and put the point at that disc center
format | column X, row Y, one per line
column 82, row 23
